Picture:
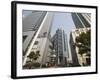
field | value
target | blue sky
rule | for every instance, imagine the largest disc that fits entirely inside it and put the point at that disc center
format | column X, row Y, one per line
column 63, row 20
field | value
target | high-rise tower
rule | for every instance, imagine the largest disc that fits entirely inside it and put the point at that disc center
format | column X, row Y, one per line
column 81, row 20
column 36, row 23
column 60, row 46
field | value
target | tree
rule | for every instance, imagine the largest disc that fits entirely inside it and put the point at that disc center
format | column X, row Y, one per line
column 84, row 39
column 83, row 42
column 33, row 57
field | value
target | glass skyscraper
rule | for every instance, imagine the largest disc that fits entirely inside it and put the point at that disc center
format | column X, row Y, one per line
column 82, row 23
column 60, row 45
column 81, row 20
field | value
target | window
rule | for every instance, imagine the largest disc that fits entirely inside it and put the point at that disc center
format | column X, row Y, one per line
column 24, row 37
column 44, row 34
column 36, row 42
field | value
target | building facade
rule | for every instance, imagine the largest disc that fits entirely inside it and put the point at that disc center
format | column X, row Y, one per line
column 42, row 21
column 60, row 45
column 81, row 20
column 31, row 24
column 77, row 59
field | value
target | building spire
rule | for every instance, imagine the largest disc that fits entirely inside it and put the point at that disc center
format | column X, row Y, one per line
column 61, row 28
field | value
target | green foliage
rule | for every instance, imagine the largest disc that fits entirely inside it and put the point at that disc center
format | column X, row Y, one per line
column 85, row 40
column 36, row 64
column 30, row 65
column 44, row 66
column 37, row 53
column 82, row 50
column 33, row 55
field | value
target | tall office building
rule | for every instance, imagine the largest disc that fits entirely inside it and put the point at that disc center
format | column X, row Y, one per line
column 81, row 20
column 60, row 45
column 36, row 23
column 31, row 23
column 77, row 59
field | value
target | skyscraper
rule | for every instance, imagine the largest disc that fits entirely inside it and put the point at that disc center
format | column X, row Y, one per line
column 60, row 45
column 82, row 23
column 31, row 23
column 36, row 21
column 81, row 20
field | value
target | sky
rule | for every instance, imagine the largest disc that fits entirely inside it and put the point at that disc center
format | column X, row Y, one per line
column 63, row 20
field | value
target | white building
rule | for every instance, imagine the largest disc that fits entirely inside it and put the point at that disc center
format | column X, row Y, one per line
column 37, row 23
